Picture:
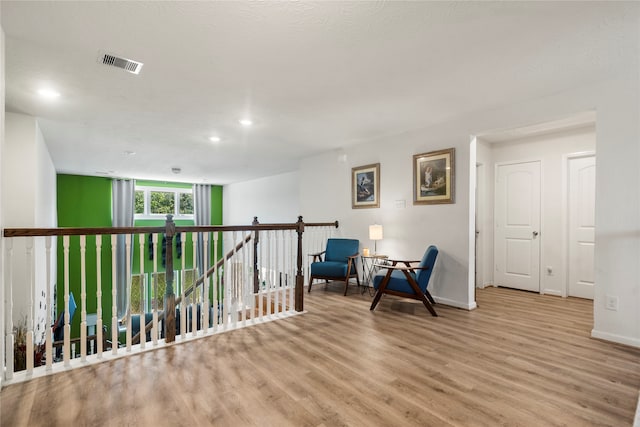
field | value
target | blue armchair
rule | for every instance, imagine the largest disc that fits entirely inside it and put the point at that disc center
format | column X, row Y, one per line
column 58, row 326
column 407, row 281
column 339, row 262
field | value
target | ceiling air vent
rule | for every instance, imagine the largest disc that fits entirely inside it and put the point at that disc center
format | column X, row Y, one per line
column 124, row 63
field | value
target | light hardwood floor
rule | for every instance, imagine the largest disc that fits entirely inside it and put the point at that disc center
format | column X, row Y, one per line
column 520, row 359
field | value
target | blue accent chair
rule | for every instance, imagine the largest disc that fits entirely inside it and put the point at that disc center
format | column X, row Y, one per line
column 339, row 262
column 58, row 326
column 401, row 279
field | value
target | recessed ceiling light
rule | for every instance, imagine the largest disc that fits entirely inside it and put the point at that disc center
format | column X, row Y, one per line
column 214, row 138
column 129, row 153
column 245, row 122
column 48, row 93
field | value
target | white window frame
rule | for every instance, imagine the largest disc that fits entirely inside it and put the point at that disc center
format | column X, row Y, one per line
column 176, row 199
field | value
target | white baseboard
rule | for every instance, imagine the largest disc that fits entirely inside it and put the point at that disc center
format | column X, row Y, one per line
column 486, row 285
column 453, row 303
column 620, row 339
column 553, row 292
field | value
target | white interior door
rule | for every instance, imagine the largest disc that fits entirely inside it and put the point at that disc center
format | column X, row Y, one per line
column 517, row 217
column 581, row 213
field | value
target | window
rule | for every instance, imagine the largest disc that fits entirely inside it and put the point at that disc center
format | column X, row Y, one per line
column 157, row 202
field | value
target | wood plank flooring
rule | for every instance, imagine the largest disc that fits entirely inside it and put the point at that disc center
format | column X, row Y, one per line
column 520, row 359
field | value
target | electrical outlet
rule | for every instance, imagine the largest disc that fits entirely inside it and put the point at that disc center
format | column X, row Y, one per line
column 611, row 303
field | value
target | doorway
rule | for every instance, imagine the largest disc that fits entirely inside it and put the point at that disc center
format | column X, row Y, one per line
column 528, row 247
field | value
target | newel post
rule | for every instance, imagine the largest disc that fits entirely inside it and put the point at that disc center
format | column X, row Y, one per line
column 299, row 303
column 169, row 296
column 256, row 241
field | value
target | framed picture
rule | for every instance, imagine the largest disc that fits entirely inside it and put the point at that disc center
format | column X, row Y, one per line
column 365, row 186
column 433, row 177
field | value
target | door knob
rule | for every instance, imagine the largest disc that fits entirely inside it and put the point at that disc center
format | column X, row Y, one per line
column 535, row 233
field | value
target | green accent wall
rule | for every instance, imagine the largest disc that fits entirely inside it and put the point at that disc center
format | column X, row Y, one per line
column 216, row 204
column 85, row 201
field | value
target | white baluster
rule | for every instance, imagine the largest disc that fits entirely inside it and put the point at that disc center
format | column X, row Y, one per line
column 205, row 287
column 194, row 312
column 245, row 280
column 143, row 309
column 114, row 296
column 234, row 283
column 127, row 246
column 261, row 275
column 184, row 307
column 99, row 336
column 31, row 283
column 154, row 328
column 294, row 265
column 83, row 298
column 285, row 269
column 48, row 338
column 277, row 270
column 269, row 275
column 216, row 298
column 66, row 347
column 9, row 337
column 225, row 290
column 283, row 274
column 247, row 292
column 183, row 302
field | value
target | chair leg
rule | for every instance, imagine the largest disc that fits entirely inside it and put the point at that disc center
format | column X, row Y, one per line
column 310, row 282
column 376, row 299
column 428, row 294
column 420, row 294
column 346, row 285
column 381, row 288
column 428, row 305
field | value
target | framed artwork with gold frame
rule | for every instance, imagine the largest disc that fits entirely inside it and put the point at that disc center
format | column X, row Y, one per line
column 434, row 177
column 365, row 186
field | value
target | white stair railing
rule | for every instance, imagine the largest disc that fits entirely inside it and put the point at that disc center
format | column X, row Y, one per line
column 244, row 284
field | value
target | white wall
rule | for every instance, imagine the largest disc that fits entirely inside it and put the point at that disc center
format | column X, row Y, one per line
column 484, row 209
column 272, row 199
column 325, row 195
column 549, row 150
column 28, row 200
column 325, row 187
column 2, row 92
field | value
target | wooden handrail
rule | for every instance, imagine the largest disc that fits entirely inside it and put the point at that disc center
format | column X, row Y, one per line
column 78, row 231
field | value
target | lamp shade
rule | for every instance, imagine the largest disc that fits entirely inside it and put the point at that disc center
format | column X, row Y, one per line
column 375, row 232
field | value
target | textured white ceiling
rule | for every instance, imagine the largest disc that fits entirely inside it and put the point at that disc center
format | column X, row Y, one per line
column 314, row 76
